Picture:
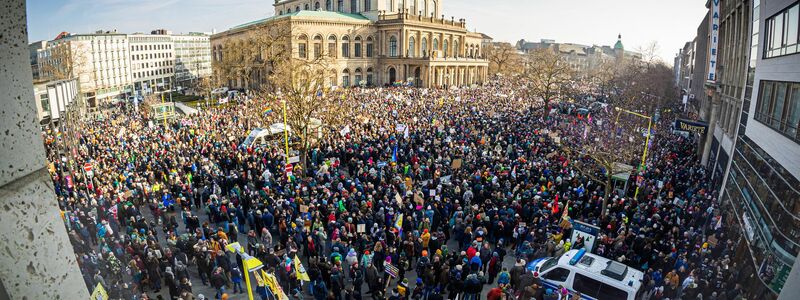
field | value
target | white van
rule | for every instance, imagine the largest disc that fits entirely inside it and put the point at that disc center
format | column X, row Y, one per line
column 595, row 277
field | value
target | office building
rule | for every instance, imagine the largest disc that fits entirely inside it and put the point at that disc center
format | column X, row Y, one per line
column 192, row 58
column 152, row 62
column 369, row 42
column 761, row 190
column 100, row 61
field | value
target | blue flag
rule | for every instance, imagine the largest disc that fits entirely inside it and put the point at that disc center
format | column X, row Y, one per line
column 394, row 153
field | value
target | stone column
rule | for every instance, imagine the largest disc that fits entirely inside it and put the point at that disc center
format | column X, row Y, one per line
column 37, row 261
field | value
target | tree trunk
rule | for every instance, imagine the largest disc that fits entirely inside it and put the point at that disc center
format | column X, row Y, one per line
column 546, row 109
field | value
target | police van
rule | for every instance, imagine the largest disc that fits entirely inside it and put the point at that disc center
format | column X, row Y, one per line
column 595, row 277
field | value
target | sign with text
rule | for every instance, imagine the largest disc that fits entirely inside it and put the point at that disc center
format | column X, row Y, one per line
column 713, row 42
column 691, row 126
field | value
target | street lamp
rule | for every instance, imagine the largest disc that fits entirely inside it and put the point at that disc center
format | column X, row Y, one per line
column 646, row 142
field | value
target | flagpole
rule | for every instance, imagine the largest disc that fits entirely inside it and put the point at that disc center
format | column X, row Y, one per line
column 247, row 278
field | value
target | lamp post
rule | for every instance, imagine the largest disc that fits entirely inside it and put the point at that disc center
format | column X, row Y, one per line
column 646, row 142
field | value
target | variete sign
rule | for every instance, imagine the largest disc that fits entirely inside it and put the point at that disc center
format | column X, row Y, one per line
column 691, row 126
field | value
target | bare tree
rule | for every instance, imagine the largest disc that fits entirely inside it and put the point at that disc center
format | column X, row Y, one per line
column 503, row 59
column 253, row 55
column 310, row 111
column 607, row 148
column 549, row 76
column 650, row 52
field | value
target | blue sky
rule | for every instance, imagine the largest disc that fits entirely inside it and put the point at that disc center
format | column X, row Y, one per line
column 669, row 22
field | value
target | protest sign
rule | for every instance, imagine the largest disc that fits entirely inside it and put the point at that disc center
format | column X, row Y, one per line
column 456, row 163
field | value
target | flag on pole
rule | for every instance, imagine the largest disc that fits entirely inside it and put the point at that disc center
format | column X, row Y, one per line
column 273, row 285
column 299, row 270
column 394, row 153
column 514, row 172
column 398, row 224
column 565, row 214
column 267, row 110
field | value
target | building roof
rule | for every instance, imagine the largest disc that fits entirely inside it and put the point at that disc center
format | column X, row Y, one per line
column 618, row 45
column 332, row 15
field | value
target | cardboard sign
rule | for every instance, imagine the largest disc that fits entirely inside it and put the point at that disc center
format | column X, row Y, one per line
column 360, row 228
column 398, row 199
column 303, row 208
column 456, row 163
column 432, row 193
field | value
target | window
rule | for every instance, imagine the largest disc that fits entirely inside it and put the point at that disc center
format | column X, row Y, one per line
column 446, row 49
column 557, row 274
column 316, row 5
column 393, row 46
column 411, row 44
column 782, row 32
column 369, row 47
column 357, row 47
column 369, row 76
column 354, row 6
column 340, row 5
column 455, row 48
column 301, row 47
column 345, row 47
column 424, row 47
column 329, row 5
column 585, row 285
column 779, row 107
column 296, row 9
column 367, row 5
column 346, row 78
column 317, row 50
column 413, row 7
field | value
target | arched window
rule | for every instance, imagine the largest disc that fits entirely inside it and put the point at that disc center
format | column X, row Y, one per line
column 329, row 5
column 367, row 5
column 346, row 78
column 369, row 76
column 411, row 44
column 357, row 47
column 302, row 45
column 296, row 9
column 280, row 13
column 340, row 5
column 345, row 47
column 456, row 51
column 332, row 46
column 437, row 53
column 317, row 46
column 358, row 77
column 446, row 49
column 393, row 46
column 370, row 48
column 316, row 5
column 434, row 9
column 306, row 6
column 424, row 47
column 354, row 6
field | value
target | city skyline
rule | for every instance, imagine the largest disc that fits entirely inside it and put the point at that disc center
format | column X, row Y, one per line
column 669, row 27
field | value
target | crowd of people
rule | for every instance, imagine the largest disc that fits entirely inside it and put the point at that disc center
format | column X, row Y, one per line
column 442, row 186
